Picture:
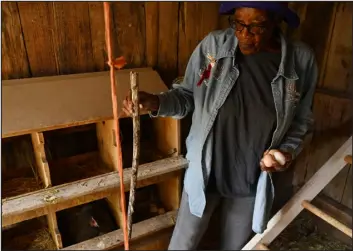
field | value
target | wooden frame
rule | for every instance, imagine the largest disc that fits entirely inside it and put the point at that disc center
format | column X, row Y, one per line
column 308, row 192
column 81, row 99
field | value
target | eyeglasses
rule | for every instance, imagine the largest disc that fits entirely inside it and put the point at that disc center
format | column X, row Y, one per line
column 253, row 29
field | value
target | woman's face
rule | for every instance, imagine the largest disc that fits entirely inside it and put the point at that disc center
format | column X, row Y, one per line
column 253, row 28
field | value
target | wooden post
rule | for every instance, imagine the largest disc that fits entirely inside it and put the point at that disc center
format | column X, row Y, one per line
column 44, row 174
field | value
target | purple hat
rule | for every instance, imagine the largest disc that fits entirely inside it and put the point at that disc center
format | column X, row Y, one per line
column 281, row 8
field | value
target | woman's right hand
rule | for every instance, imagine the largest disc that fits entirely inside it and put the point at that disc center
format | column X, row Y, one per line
column 148, row 102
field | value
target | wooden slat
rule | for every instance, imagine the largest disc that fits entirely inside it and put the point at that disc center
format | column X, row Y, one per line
column 98, row 36
column 72, row 37
column 38, row 31
column 54, row 229
column 338, row 70
column 41, row 159
column 139, row 230
column 130, row 31
column 63, row 101
column 167, row 41
column 308, row 192
column 60, row 197
column 329, row 219
column 43, row 170
column 151, row 13
column 14, row 63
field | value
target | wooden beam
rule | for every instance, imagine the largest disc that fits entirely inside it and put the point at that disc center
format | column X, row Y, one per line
column 41, row 159
column 308, row 192
column 25, row 99
column 329, row 219
column 44, row 173
column 60, row 197
column 139, row 230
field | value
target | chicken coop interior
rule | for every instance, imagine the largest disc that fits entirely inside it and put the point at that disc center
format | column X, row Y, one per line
column 59, row 150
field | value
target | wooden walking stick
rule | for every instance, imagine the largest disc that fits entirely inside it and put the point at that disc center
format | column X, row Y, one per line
column 136, row 145
column 111, row 62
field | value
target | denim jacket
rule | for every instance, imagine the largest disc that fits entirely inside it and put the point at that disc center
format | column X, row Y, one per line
column 293, row 89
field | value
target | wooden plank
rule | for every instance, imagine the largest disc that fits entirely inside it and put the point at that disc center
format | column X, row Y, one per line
column 53, row 228
column 41, row 159
column 332, row 127
column 129, row 20
column 25, row 99
column 326, row 217
column 157, row 241
column 60, row 197
column 315, row 30
column 96, row 20
column 168, row 141
column 140, row 230
column 72, row 37
column 38, row 31
column 196, row 20
column 14, row 62
column 44, row 173
column 168, row 41
column 308, row 192
column 335, row 188
column 152, row 37
column 108, row 151
column 338, row 70
column 170, row 192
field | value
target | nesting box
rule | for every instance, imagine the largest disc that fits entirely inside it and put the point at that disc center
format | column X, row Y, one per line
column 65, row 126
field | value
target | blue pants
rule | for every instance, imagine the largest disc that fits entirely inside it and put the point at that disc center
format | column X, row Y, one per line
column 236, row 223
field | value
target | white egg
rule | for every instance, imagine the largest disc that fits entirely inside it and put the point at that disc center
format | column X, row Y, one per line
column 280, row 158
column 267, row 160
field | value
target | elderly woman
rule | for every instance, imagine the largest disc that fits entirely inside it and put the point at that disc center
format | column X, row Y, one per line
column 250, row 91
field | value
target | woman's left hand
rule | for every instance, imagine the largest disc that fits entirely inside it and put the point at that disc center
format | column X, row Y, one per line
column 275, row 161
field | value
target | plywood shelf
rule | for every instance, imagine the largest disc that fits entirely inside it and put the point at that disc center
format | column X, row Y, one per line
column 48, row 103
column 57, row 198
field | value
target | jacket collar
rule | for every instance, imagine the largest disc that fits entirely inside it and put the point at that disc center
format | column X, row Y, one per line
column 286, row 67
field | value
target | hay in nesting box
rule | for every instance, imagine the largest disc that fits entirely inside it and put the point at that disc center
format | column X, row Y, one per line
column 20, row 185
column 33, row 240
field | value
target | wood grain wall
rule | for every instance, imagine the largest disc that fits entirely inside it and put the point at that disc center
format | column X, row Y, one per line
column 52, row 38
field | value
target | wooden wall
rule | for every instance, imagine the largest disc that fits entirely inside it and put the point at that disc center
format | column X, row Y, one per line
column 327, row 27
column 52, row 38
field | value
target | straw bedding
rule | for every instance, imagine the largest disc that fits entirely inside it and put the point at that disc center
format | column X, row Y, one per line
column 28, row 235
column 20, row 185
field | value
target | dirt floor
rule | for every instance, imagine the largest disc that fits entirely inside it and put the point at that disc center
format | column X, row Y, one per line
column 303, row 234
